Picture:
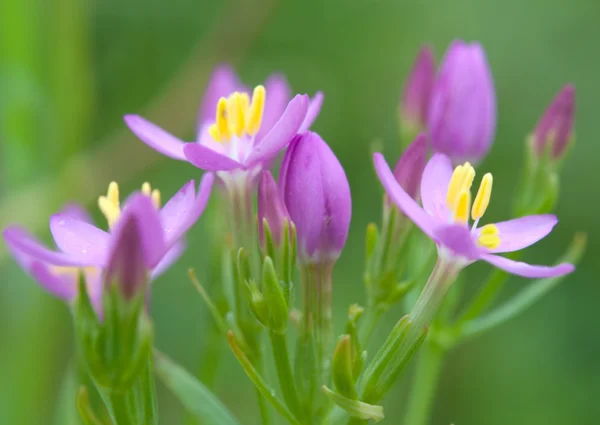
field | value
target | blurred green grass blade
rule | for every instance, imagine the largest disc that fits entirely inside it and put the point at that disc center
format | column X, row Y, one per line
column 20, row 70
column 528, row 296
column 69, row 77
column 66, row 409
column 196, row 398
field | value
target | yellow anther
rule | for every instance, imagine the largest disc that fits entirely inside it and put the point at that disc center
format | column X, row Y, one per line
column 156, row 198
column 482, row 200
column 214, row 132
column 235, row 114
column 221, row 121
column 454, row 187
column 146, row 189
column 255, row 113
column 245, row 102
column 463, row 204
column 110, row 205
column 462, row 179
column 154, row 195
column 489, row 236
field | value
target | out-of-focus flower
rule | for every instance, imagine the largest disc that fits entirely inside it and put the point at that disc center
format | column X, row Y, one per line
column 446, row 199
column 409, row 168
column 317, row 196
column 238, row 129
column 462, row 112
column 554, row 130
column 414, row 103
column 270, row 208
column 141, row 229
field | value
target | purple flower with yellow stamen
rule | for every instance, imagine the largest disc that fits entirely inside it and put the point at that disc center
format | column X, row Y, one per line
column 248, row 129
column 446, row 199
column 153, row 235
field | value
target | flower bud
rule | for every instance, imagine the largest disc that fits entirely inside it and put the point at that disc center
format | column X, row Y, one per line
column 410, row 166
column 554, row 130
column 462, row 112
column 271, row 209
column 414, row 104
column 317, row 196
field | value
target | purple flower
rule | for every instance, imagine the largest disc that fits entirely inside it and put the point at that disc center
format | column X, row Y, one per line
column 462, row 112
column 414, row 104
column 446, row 199
column 555, row 127
column 317, row 196
column 143, row 239
column 238, row 129
column 270, row 208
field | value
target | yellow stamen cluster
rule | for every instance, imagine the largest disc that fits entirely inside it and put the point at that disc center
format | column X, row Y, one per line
column 237, row 116
column 110, row 205
column 489, row 237
column 458, row 201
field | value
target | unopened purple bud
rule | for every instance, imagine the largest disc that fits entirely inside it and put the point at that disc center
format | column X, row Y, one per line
column 555, row 127
column 317, row 196
column 414, row 104
column 270, row 208
column 133, row 253
column 462, row 112
column 410, row 166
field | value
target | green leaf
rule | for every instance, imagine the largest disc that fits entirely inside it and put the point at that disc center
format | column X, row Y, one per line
column 195, row 397
column 355, row 408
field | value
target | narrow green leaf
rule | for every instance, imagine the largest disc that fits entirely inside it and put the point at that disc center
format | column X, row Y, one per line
column 194, row 396
column 528, row 296
column 355, row 408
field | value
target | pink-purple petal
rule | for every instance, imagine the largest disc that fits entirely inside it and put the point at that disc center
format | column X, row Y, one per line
column 314, row 107
column 528, row 270
column 63, row 286
column 20, row 240
column 282, row 132
column 278, row 97
column 77, row 211
column 208, row 159
column 155, row 137
column 402, row 199
column 458, row 239
column 185, row 208
column 434, row 186
column 169, row 259
column 522, row 232
column 81, row 240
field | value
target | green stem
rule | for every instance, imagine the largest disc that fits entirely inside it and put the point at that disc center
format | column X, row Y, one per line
column 425, row 381
column 284, row 372
column 117, row 405
column 261, row 385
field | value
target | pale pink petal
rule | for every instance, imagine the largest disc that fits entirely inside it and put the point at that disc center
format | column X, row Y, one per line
column 169, row 259
column 521, row 232
column 282, row 132
column 458, row 239
column 207, row 159
column 402, row 199
column 528, row 270
column 314, row 107
column 434, row 186
column 81, row 240
column 277, row 98
column 155, row 137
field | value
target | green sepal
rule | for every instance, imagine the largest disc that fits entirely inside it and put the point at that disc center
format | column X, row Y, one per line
column 355, row 408
column 342, row 368
column 85, row 409
column 355, row 312
column 275, row 300
column 268, row 237
column 257, row 302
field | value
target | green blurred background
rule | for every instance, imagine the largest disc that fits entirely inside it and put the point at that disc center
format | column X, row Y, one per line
column 70, row 69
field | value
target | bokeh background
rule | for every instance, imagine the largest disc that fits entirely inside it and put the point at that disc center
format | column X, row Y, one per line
column 70, row 69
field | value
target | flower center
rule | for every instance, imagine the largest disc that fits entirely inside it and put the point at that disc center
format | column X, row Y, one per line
column 458, row 201
column 237, row 116
column 110, row 205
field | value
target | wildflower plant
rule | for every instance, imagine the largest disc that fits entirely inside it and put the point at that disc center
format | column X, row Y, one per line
column 273, row 304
